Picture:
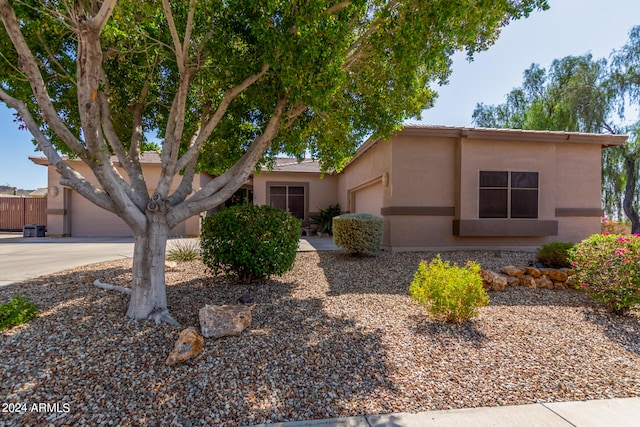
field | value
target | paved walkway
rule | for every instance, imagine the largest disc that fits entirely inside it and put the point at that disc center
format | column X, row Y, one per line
column 28, row 258
column 594, row 413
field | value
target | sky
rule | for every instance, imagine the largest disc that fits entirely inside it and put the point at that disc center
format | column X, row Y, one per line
column 569, row 27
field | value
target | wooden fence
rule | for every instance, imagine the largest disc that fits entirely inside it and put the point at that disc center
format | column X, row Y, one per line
column 15, row 212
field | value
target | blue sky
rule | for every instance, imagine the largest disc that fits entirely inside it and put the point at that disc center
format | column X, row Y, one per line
column 570, row 27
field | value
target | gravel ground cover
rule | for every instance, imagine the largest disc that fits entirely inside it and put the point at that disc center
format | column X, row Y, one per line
column 337, row 336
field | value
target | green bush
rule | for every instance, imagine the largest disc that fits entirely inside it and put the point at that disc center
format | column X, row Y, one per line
column 250, row 242
column 358, row 233
column 324, row 219
column 449, row 292
column 183, row 250
column 16, row 312
column 555, row 254
column 608, row 269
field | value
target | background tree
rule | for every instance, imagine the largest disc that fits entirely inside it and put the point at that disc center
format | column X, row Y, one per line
column 622, row 164
column 580, row 94
column 225, row 84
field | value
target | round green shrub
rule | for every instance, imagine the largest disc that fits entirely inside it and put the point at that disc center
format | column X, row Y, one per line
column 449, row 292
column 555, row 254
column 358, row 233
column 250, row 242
column 608, row 269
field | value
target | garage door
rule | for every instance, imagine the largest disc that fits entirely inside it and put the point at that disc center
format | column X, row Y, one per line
column 369, row 199
column 88, row 220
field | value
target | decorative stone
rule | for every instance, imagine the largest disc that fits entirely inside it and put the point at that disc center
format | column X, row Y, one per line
column 512, row 271
column 544, row 282
column 560, row 285
column 555, row 275
column 528, row 281
column 487, row 276
column 533, row 272
column 499, row 282
column 513, row 281
column 170, row 265
column 570, row 271
column 224, row 320
column 188, row 346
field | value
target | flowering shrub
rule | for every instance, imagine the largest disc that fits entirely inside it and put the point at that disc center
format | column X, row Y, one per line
column 449, row 293
column 608, row 268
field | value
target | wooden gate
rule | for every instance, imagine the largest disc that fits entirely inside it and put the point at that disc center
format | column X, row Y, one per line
column 15, row 212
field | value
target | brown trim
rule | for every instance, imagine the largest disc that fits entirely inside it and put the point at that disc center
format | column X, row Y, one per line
column 504, row 228
column 419, row 210
column 580, row 212
column 55, row 211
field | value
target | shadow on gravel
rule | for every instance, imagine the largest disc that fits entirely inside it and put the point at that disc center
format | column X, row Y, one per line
column 467, row 332
column 295, row 362
column 623, row 330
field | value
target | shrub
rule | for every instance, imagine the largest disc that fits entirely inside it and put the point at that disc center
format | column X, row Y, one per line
column 554, row 254
column 250, row 242
column 608, row 268
column 358, row 233
column 183, row 250
column 449, row 292
column 16, row 312
column 324, row 219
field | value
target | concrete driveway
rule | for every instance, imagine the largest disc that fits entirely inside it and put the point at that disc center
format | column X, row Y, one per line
column 27, row 258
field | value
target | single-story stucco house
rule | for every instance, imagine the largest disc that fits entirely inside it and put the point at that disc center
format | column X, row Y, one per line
column 434, row 186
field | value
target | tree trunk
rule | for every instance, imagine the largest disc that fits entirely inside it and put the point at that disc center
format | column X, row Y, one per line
column 149, row 293
column 627, row 204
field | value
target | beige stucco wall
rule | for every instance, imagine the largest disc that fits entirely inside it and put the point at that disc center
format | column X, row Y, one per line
column 69, row 214
column 368, row 169
column 323, row 190
column 433, row 180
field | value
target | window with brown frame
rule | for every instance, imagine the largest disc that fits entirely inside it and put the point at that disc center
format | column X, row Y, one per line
column 504, row 194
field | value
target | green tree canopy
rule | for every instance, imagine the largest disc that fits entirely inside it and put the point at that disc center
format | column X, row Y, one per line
column 225, row 84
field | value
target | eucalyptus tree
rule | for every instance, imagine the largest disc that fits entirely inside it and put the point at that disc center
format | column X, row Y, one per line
column 226, row 84
column 622, row 165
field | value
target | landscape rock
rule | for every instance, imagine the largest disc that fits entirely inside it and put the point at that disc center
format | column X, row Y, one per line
column 544, row 282
column 512, row 271
column 224, row 320
column 533, row 272
column 499, row 282
column 528, row 281
column 555, row 275
column 170, row 265
column 560, row 285
column 188, row 345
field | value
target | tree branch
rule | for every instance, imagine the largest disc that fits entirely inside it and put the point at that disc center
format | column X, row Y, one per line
column 205, row 133
column 222, row 187
column 102, row 17
column 29, row 67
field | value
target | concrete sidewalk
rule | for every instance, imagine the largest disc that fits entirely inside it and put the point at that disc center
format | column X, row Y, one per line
column 593, row 413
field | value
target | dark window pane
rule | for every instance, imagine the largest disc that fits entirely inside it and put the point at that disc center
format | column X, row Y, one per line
column 524, row 179
column 524, row 203
column 296, row 190
column 278, row 201
column 296, row 206
column 278, row 191
column 493, row 179
column 493, row 204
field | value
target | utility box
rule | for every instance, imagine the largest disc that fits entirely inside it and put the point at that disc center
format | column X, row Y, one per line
column 33, row 230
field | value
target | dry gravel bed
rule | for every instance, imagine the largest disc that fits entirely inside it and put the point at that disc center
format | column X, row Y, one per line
column 336, row 336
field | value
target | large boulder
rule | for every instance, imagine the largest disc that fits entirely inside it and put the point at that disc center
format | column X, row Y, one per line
column 224, row 320
column 188, row 346
column 555, row 275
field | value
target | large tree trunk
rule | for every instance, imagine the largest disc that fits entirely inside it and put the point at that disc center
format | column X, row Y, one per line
column 627, row 204
column 149, row 294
